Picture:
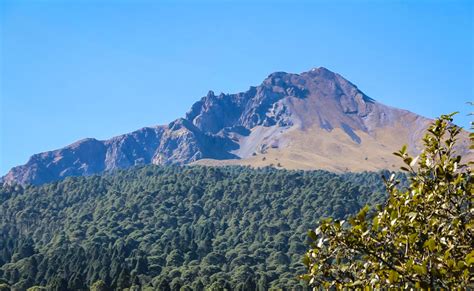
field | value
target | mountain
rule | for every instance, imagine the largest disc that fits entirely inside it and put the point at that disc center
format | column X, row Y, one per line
column 313, row 120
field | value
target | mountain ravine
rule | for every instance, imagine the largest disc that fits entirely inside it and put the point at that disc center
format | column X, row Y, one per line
column 313, row 120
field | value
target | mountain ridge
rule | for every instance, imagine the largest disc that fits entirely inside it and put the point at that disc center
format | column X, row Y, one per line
column 318, row 107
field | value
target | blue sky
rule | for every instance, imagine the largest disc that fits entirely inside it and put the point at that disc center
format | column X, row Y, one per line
column 76, row 69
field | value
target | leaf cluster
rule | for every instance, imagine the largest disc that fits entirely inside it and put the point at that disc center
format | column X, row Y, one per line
column 422, row 237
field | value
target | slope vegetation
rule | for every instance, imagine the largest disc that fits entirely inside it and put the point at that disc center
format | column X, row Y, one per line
column 170, row 227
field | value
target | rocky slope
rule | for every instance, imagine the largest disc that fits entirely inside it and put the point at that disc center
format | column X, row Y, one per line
column 312, row 120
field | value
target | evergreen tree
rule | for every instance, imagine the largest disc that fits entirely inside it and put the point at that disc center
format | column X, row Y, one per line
column 99, row 286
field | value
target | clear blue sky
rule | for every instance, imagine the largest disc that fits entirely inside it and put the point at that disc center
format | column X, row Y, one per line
column 75, row 69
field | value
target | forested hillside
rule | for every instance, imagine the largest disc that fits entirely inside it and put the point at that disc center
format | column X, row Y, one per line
column 172, row 228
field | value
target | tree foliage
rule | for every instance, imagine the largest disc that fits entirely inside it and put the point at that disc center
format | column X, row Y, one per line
column 172, row 228
column 422, row 237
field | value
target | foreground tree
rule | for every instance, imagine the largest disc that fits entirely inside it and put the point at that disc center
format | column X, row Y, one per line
column 422, row 237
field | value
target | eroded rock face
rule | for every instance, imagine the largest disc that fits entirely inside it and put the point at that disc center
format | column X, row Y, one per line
column 84, row 157
column 217, row 125
column 178, row 143
column 257, row 106
column 184, row 143
column 136, row 148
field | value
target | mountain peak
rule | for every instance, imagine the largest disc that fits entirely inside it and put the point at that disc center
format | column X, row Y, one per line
column 278, row 75
column 320, row 69
column 210, row 94
column 315, row 119
column 314, row 71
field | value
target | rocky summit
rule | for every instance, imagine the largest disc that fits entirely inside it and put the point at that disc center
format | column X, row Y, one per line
column 313, row 120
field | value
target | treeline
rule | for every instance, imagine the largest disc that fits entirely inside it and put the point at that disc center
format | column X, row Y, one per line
column 172, row 228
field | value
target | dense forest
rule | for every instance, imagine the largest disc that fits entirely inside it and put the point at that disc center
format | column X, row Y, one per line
column 172, row 228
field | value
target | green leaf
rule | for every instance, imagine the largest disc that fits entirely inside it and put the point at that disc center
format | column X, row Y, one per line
column 312, row 235
column 421, row 270
column 430, row 244
column 393, row 276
